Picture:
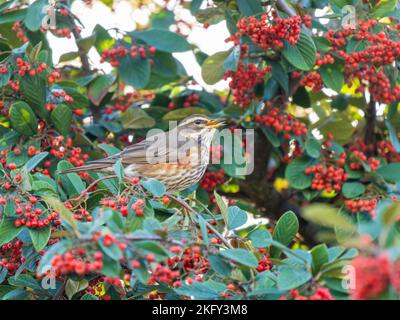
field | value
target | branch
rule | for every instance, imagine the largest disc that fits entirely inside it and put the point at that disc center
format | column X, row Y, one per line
column 370, row 118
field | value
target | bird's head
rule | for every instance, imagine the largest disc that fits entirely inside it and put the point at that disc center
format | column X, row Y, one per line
column 199, row 125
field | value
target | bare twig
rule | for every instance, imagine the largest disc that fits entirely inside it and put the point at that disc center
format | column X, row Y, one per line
column 209, row 226
column 84, row 192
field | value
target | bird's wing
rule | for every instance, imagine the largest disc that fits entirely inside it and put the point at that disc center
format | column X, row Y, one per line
column 143, row 151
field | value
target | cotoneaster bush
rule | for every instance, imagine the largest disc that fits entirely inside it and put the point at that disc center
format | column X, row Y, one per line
column 321, row 94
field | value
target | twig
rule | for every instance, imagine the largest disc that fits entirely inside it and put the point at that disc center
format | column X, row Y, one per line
column 84, row 192
column 370, row 119
column 285, row 7
column 209, row 226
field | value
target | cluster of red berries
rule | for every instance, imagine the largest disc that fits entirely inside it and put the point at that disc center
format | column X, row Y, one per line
column 32, row 216
column 281, row 122
column 270, row 32
column 329, row 177
column 244, row 80
column 319, row 294
column 134, row 51
column 76, row 261
column 59, row 96
column 121, row 103
column 19, row 31
column 11, row 255
column 368, row 64
column 387, row 151
column 13, row 85
column 190, row 101
column 264, row 264
column 211, row 180
column 362, row 205
column 54, row 75
column 360, row 156
column 25, row 67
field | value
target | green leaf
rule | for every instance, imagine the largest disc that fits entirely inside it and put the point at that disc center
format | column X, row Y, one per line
column 152, row 247
column 212, row 69
column 34, row 161
column 383, row 7
column 291, row 277
column 163, row 40
column 320, row 256
column 72, row 287
column 154, row 186
column 23, row 119
column 313, row 147
column 24, row 280
column 62, row 117
column 332, row 77
column 136, row 118
column 8, row 231
column 12, row 16
column 303, row 54
column 68, row 56
column 134, row 71
column 119, row 170
column 286, row 228
column 241, row 256
column 353, row 189
column 70, row 181
column 236, row 217
column 295, row 175
column 390, row 172
column 35, row 14
column 219, row 265
column 35, row 90
column 327, row 216
column 249, row 7
column 99, row 88
column 259, row 237
column 40, row 237
column 231, row 62
column 180, row 114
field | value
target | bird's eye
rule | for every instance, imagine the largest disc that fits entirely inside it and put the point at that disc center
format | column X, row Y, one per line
column 198, row 122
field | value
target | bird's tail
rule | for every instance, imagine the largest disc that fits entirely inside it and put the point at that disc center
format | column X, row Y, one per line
column 90, row 166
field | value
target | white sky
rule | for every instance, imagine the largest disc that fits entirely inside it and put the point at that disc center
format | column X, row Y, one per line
column 125, row 18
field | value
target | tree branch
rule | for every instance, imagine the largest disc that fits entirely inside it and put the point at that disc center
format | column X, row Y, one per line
column 370, row 118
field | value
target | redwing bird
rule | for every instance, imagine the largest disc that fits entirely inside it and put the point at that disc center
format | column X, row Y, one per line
column 178, row 158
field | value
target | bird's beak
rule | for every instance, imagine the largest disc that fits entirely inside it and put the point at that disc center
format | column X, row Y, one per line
column 213, row 124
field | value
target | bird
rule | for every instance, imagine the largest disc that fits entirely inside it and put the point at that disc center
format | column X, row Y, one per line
column 178, row 158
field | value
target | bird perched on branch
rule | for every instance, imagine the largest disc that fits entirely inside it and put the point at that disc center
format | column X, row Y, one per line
column 178, row 158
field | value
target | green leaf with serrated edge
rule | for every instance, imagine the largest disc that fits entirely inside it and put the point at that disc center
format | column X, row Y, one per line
column 62, row 117
column 303, row 54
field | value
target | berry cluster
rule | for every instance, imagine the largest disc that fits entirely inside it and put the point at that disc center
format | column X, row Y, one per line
column 121, row 103
column 189, row 101
column 244, row 80
column 19, row 31
column 387, row 151
column 326, row 177
column 319, row 294
column 270, row 32
column 281, row 122
column 362, row 205
column 11, row 255
column 77, row 261
column 359, row 157
column 372, row 276
column 134, row 51
column 264, row 264
column 33, row 218
column 211, row 180
column 368, row 63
